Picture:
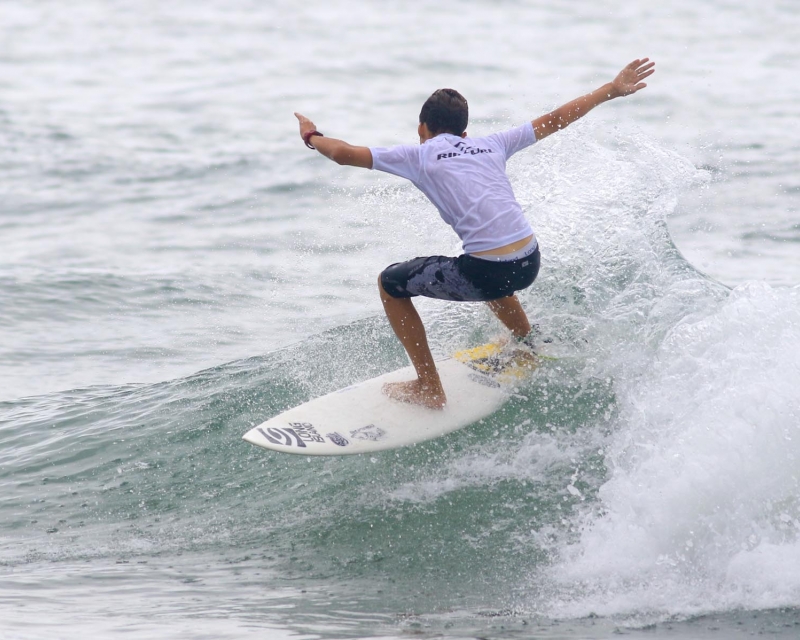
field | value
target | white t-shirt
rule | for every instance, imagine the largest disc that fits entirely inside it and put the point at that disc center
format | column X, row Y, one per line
column 466, row 179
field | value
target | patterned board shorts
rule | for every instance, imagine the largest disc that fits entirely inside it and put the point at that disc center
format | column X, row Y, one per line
column 464, row 279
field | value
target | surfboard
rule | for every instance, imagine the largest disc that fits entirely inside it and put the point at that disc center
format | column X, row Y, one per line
column 362, row 419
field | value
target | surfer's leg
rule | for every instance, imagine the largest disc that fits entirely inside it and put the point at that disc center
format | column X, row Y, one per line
column 427, row 389
column 510, row 312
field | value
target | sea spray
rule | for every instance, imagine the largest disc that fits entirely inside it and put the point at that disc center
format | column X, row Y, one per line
column 701, row 510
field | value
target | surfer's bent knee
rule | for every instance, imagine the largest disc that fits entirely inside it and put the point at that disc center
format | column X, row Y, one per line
column 390, row 285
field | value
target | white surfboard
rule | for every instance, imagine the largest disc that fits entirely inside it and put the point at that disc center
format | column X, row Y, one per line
column 361, row 418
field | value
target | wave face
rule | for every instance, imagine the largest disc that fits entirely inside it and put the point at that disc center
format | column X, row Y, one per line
column 649, row 473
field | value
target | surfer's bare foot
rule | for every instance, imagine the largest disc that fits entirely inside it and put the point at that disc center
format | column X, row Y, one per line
column 415, row 392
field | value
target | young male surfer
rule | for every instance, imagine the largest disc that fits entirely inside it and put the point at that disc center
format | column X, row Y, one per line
column 465, row 179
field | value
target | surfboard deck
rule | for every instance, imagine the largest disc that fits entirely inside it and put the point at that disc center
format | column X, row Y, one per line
column 362, row 419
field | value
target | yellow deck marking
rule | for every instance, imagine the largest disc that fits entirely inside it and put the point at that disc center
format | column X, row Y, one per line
column 490, row 359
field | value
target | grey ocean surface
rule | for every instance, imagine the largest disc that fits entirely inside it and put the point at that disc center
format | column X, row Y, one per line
column 176, row 267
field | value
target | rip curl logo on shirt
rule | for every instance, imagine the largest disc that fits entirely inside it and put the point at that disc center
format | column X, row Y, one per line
column 463, row 150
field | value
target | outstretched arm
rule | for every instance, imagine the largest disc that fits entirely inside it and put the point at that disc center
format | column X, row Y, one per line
column 337, row 150
column 627, row 82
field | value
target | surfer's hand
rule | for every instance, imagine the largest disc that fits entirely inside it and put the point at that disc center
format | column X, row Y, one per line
column 305, row 124
column 629, row 80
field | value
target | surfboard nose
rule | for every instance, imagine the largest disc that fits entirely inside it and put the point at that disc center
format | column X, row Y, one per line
column 252, row 437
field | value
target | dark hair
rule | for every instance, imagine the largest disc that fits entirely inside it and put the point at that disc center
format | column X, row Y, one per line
column 446, row 111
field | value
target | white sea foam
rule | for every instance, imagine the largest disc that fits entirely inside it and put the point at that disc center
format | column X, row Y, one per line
column 702, row 507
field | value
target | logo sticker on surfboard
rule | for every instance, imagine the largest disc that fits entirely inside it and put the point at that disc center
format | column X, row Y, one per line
column 295, row 435
column 486, row 381
column 370, row 432
column 338, row 439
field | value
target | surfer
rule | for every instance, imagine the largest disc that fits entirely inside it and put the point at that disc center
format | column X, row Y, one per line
column 465, row 179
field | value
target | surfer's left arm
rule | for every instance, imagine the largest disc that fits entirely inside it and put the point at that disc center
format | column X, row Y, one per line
column 627, row 82
column 337, row 150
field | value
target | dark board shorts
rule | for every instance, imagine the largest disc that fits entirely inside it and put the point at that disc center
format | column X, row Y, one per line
column 463, row 279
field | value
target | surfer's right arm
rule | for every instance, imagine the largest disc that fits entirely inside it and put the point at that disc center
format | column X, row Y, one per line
column 337, row 150
column 627, row 82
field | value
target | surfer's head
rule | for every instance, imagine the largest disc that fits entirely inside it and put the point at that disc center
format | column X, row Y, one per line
column 445, row 111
